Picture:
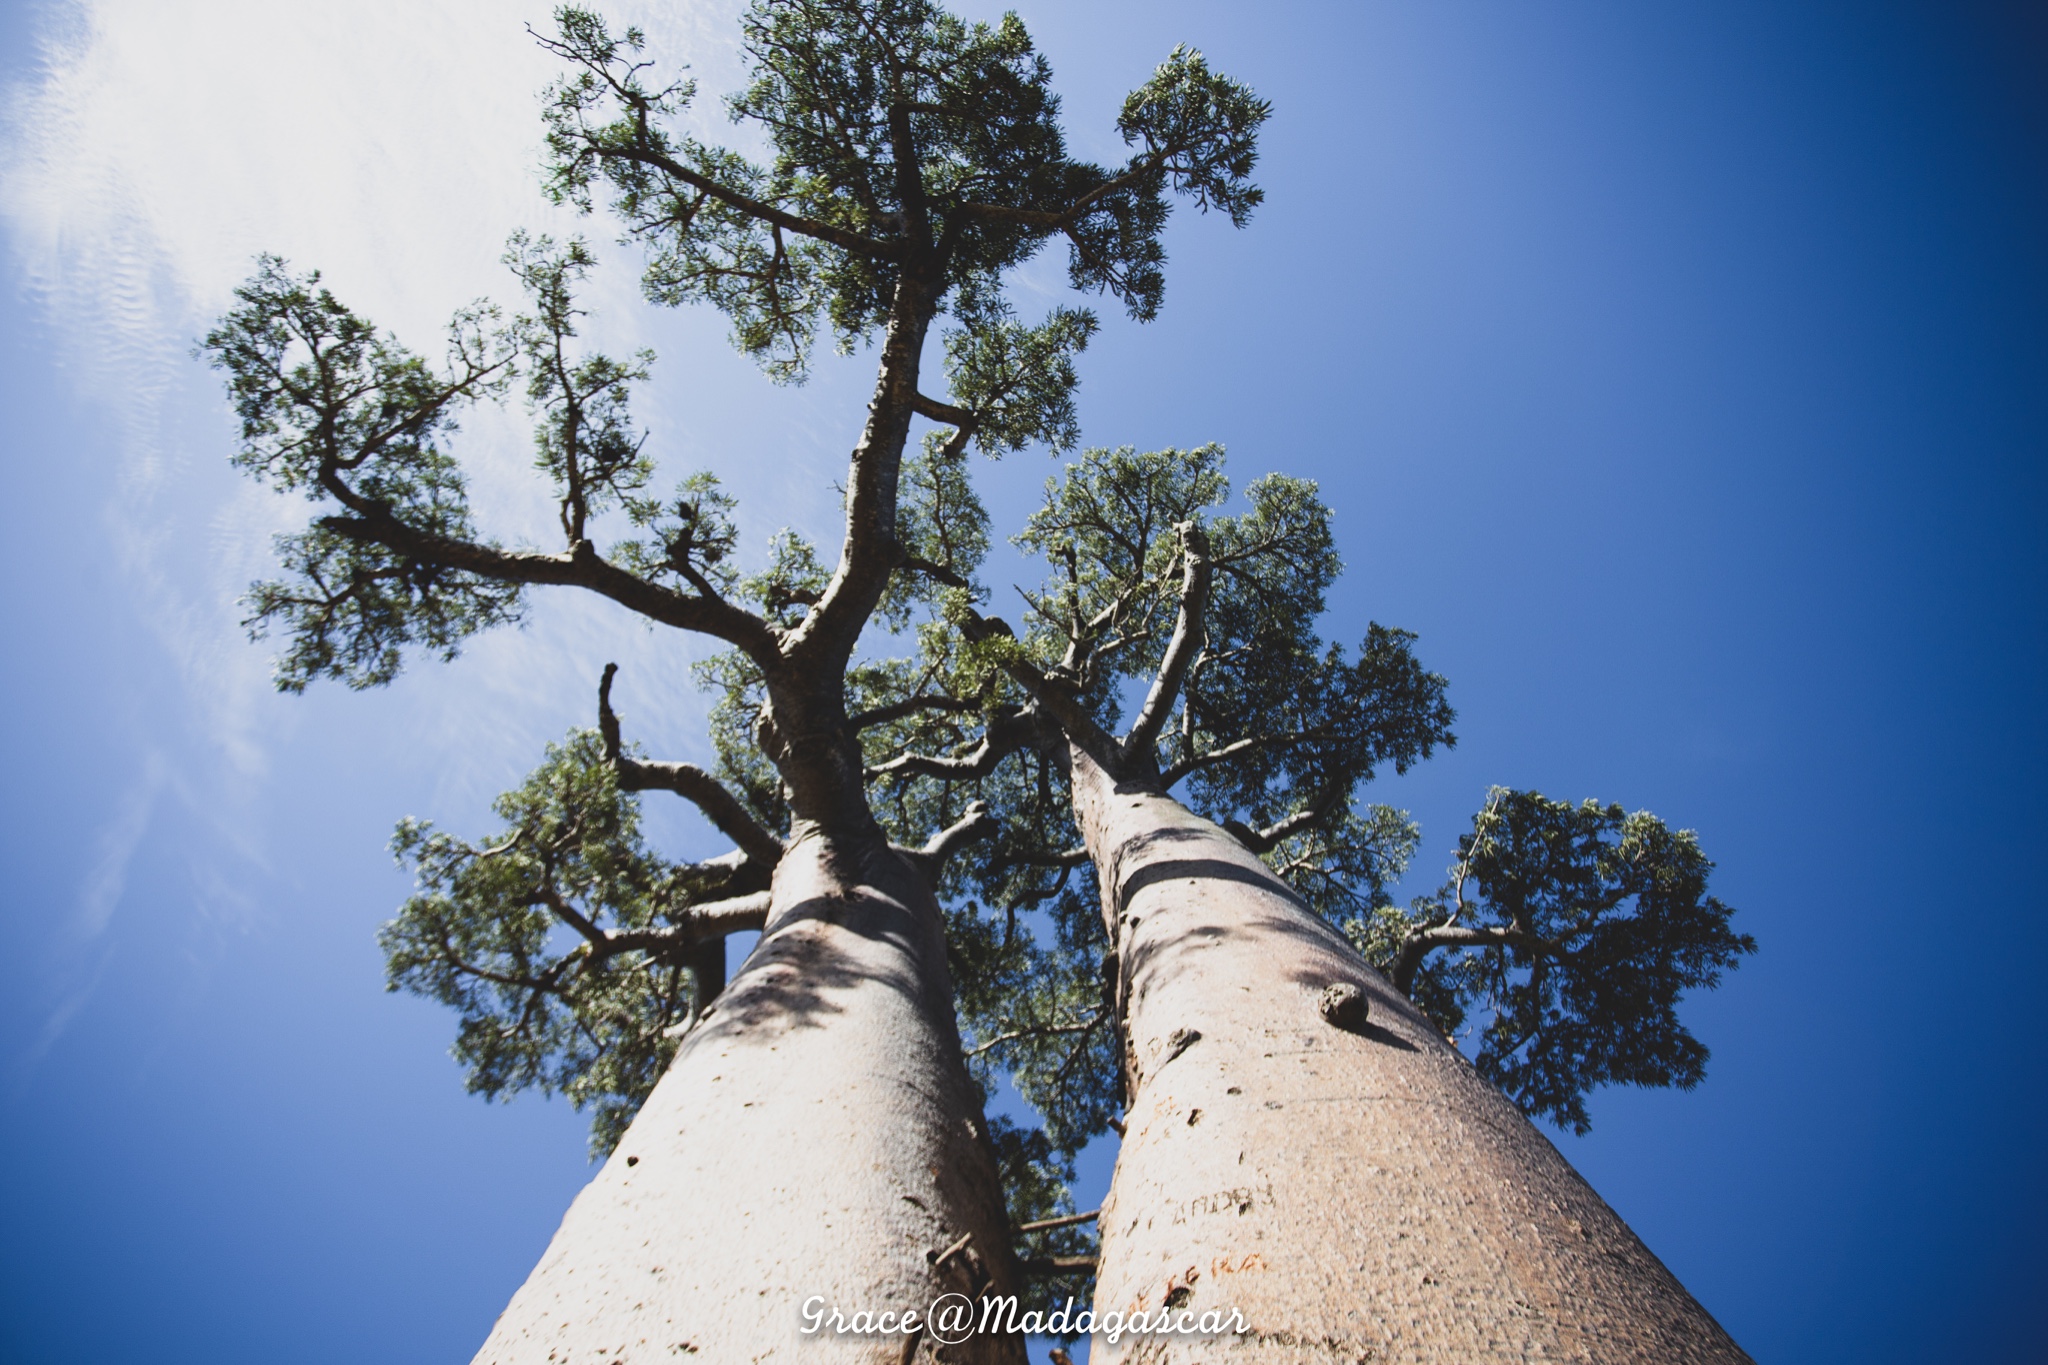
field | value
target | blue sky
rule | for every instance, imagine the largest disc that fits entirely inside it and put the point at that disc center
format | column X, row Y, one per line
column 1676, row 372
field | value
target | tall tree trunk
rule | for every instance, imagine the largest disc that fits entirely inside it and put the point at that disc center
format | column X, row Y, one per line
column 816, row 1135
column 1359, row 1192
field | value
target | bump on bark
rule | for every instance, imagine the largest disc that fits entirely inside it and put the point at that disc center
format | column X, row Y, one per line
column 1344, row 1005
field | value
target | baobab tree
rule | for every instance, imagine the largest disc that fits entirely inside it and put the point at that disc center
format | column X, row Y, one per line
column 915, row 160
column 1301, row 1139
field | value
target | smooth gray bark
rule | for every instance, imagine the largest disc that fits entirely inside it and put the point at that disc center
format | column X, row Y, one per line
column 817, row 1134
column 1361, row 1193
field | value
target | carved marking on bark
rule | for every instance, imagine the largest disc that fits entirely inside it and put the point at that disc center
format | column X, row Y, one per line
column 1252, row 1263
column 1239, row 1201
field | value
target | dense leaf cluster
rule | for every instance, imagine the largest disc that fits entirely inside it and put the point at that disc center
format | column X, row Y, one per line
column 906, row 144
column 562, row 942
column 332, row 410
column 1572, row 930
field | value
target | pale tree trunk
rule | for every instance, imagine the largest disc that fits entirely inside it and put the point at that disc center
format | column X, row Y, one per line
column 816, row 1135
column 1360, row 1193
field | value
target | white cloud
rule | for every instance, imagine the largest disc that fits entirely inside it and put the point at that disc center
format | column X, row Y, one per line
column 108, row 877
column 162, row 144
column 81, row 952
column 153, row 151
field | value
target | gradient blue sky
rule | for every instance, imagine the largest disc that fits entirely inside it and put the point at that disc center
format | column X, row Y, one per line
column 1679, row 373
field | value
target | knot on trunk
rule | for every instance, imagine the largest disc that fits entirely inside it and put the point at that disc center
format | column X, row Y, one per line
column 1180, row 1041
column 1345, row 1006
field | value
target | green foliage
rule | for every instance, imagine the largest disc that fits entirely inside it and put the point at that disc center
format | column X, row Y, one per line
column 1199, row 133
column 906, row 144
column 792, row 582
column 347, row 417
column 519, row 935
column 1109, row 529
column 784, row 591
column 941, row 528
column 912, row 159
column 1032, row 996
column 1036, row 1180
column 350, row 608
column 585, row 441
column 1019, row 381
column 1274, row 729
column 588, row 446
column 319, row 391
column 1584, row 927
column 739, row 690
column 939, row 518
column 690, row 538
column 1343, row 866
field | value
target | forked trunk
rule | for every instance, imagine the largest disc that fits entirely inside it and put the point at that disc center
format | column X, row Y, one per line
column 1355, row 1189
column 816, row 1139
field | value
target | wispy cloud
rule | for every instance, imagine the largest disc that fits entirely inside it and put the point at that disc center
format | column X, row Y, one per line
column 154, row 149
column 80, row 954
column 161, row 145
column 107, row 878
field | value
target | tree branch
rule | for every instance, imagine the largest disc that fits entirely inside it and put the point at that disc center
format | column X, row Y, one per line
column 1045, row 1224
column 1038, row 1031
column 733, row 915
column 1056, row 701
column 1419, row 943
column 910, row 706
column 944, row 413
column 870, row 552
column 1066, row 857
column 724, row 810
column 1262, row 840
column 712, row 919
column 569, row 914
column 547, row 983
column 581, row 567
column 977, row 824
column 1249, row 744
column 1003, row 736
column 646, row 155
column 1188, row 636
column 938, row 573
column 1062, row 219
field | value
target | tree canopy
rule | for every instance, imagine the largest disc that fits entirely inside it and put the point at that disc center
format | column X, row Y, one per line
column 1573, row 931
column 908, row 145
column 1180, row 648
column 594, row 1017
